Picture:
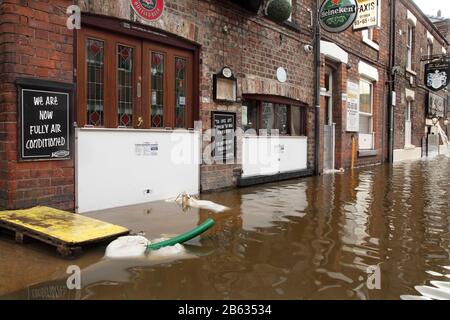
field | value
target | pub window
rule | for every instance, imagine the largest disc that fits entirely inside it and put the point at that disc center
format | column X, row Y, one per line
column 125, row 85
column 410, row 47
column 365, row 107
column 94, row 92
column 269, row 118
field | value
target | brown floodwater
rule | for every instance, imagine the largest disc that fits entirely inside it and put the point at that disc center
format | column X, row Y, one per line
column 313, row 238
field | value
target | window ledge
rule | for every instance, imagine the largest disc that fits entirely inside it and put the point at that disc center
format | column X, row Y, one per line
column 371, row 43
column 367, row 153
column 411, row 72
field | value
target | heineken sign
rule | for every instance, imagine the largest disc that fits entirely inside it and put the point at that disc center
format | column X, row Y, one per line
column 437, row 75
column 337, row 15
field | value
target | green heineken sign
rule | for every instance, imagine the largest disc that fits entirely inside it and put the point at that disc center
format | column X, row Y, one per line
column 337, row 15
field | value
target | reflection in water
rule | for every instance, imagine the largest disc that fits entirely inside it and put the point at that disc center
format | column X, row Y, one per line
column 315, row 238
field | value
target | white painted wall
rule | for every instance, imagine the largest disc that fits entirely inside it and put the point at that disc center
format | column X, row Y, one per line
column 265, row 155
column 110, row 172
column 414, row 153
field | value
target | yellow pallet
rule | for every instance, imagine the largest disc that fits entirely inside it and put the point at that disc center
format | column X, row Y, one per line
column 67, row 231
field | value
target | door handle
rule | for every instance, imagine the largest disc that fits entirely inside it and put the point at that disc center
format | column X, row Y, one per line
column 139, row 88
column 140, row 121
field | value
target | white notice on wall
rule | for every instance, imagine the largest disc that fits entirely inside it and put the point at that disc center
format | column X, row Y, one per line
column 352, row 107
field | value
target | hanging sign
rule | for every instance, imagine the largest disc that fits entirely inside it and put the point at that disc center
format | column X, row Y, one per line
column 337, row 15
column 437, row 75
column 44, row 124
column 368, row 14
column 352, row 107
column 435, row 106
column 150, row 10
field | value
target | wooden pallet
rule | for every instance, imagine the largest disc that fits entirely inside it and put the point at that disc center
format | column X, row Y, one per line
column 66, row 231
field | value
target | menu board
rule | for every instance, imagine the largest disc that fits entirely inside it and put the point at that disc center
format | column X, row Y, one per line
column 224, row 124
column 44, row 124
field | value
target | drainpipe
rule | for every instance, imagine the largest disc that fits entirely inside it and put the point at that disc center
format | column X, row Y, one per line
column 391, row 81
column 317, row 91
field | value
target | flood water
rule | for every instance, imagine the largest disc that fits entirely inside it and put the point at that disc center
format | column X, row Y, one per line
column 313, row 238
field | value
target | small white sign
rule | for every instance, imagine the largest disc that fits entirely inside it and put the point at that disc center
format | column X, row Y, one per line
column 368, row 14
column 182, row 101
column 352, row 107
column 281, row 74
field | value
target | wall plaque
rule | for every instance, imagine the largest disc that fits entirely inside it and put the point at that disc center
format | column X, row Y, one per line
column 224, row 124
column 44, row 122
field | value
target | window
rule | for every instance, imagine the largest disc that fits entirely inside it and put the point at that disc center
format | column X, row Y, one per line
column 429, row 48
column 365, row 107
column 266, row 117
column 410, row 47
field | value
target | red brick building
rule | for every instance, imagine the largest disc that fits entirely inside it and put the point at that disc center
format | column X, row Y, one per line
column 137, row 81
column 416, row 37
column 354, row 71
column 133, row 94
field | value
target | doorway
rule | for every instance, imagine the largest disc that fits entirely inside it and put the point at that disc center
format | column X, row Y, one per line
column 127, row 82
column 329, row 126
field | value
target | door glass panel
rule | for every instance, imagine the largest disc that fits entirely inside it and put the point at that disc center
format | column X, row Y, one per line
column 94, row 60
column 157, row 90
column 180, row 92
column 125, row 85
column 267, row 117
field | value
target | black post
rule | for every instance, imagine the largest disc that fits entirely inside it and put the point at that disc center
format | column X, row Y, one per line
column 391, row 81
column 317, row 91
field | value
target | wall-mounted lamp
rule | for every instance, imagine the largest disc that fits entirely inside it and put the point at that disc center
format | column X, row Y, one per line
column 446, row 121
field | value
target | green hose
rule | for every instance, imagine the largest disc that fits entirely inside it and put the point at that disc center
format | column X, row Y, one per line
column 183, row 237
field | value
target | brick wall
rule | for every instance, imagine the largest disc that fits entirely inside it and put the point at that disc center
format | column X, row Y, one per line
column 351, row 42
column 412, row 81
column 253, row 46
column 34, row 43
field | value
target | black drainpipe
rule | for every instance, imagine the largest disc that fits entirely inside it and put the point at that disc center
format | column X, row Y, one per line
column 317, row 92
column 391, row 80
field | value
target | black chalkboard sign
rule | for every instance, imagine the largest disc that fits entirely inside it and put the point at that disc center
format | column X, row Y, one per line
column 44, row 124
column 224, row 124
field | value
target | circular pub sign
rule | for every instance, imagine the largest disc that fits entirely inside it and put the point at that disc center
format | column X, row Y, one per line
column 337, row 15
column 150, row 10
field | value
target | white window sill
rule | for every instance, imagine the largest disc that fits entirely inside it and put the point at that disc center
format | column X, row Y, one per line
column 371, row 43
column 411, row 72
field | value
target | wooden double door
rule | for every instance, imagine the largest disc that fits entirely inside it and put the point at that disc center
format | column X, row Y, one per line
column 134, row 83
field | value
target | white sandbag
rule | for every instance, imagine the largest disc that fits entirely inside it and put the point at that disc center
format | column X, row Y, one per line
column 167, row 251
column 187, row 200
column 127, row 247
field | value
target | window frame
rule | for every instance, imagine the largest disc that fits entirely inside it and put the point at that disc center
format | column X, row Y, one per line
column 366, row 114
column 410, row 46
column 274, row 100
